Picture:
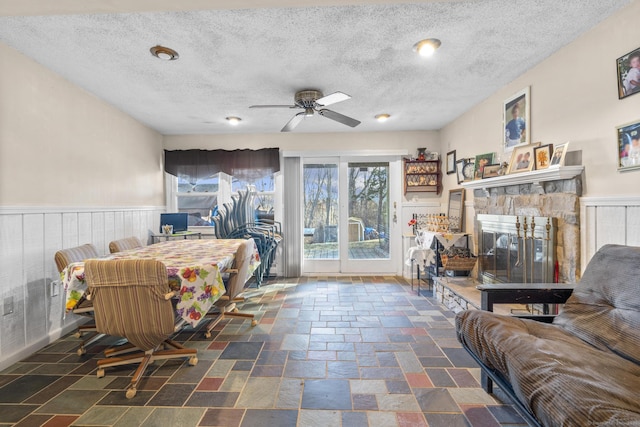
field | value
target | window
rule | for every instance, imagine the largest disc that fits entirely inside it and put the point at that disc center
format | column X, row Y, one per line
column 198, row 198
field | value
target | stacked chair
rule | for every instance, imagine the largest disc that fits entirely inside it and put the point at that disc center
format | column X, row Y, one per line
column 124, row 244
column 84, row 307
column 131, row 300
column 236, row 220
column 226, row 305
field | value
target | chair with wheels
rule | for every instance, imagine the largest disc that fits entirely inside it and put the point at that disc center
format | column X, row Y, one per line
column 84, row 307
column 238, row 276
column 124, row 244
column 132, row 300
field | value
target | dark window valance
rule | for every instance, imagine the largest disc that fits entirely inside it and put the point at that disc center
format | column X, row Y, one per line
column 248, row 165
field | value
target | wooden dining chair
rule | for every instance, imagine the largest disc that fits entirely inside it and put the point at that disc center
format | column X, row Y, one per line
column 63, row 258
column 239, row 274
column 124, row 244
column 132, row 300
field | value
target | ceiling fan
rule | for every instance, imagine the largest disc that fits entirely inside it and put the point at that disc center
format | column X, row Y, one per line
column 312, row 101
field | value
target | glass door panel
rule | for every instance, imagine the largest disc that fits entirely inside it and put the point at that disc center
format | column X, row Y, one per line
column 321, row 213
column 368, row 222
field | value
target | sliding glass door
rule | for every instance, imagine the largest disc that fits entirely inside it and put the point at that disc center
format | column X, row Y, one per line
column 348, row 215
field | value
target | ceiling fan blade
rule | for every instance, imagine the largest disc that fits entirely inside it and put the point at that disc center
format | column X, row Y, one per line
column 273, row 106
column 332, row 98
column 345, row 120
column 295, row 121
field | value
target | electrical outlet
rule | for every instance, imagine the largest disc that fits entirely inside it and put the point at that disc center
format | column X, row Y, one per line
column 8, row 306
column 55, row 286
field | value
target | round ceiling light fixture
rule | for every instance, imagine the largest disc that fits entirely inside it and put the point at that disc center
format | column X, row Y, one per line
column 382, row 117
column 164, row 53
column 234, row 121
column 427, row 47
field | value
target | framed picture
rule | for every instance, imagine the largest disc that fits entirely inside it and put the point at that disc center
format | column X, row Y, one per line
column 465, row 170
column 481, row 161
column 491, row 171
column 542, row 155
column 451, row 162
column 557, row 159
column 433, row 156
column 522, row 158
column 628, row 146
column 629, row 74
column 515, row 120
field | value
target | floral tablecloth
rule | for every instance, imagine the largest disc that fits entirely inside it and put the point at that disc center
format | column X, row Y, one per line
column 194, row 268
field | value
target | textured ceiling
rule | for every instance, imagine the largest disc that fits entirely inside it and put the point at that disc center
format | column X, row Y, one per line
column 230, row 59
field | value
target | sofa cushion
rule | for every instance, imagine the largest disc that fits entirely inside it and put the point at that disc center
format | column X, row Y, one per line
column 604, row 309
column 562, row 379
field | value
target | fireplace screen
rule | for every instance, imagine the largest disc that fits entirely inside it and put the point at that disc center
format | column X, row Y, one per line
column 516, row 249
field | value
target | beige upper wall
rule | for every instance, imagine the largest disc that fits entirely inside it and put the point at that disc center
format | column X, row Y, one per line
column 573, row 98
column 61, row 146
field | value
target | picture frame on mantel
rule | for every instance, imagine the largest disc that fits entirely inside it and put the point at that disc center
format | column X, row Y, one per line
column 559, row 153
column 628, row 146
column 543, row 155
column 628, row 74
column 451, row 162
column 516, row 120
column 522, row 158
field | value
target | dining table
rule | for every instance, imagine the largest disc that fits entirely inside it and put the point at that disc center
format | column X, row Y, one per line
column 195, row 271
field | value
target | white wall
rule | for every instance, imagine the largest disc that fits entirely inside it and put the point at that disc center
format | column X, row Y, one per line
column 573, row 98
column 73, row 170
column 61, row 146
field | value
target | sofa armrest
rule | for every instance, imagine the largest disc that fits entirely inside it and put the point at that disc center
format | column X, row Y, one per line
column 523, row 293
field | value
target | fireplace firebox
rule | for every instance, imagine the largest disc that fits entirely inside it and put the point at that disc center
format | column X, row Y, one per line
column 516, row 249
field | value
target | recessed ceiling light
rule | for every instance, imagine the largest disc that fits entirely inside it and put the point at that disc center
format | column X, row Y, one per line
column 234, row 121
column 164, row 53
column 382, row 117
column 427, row 47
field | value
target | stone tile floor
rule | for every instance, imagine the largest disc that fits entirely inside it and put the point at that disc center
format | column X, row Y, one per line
column 327, row 351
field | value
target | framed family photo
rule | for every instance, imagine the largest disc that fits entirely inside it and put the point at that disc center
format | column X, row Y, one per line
column 628, row 146
column 559, row 153
column 481, row 161
column 629, row 74
column 522, row 158
column 515, row 120
column 542, row 155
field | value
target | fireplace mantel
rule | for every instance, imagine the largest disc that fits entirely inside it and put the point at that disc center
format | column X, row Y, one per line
column 533, row 177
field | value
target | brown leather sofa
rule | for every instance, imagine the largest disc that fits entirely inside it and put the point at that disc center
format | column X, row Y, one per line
column 583, row 369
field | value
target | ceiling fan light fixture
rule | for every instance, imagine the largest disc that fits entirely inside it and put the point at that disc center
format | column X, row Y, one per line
column 308, row 112
column 382, row 117
column 233, row 120
column 164, row 53
column 426, row 47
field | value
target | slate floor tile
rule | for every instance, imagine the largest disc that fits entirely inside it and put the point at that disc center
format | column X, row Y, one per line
column 24, row 387
column 326, row 394
column 270, row 417
column 224, row 417
column 73, row 402
column 242, row 350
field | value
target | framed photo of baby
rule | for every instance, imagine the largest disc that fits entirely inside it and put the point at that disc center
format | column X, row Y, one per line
column 628, row 146
column 515, row 123
column 629, row 74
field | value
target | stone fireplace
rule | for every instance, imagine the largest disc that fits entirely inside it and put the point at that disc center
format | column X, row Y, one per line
column 546, row 193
